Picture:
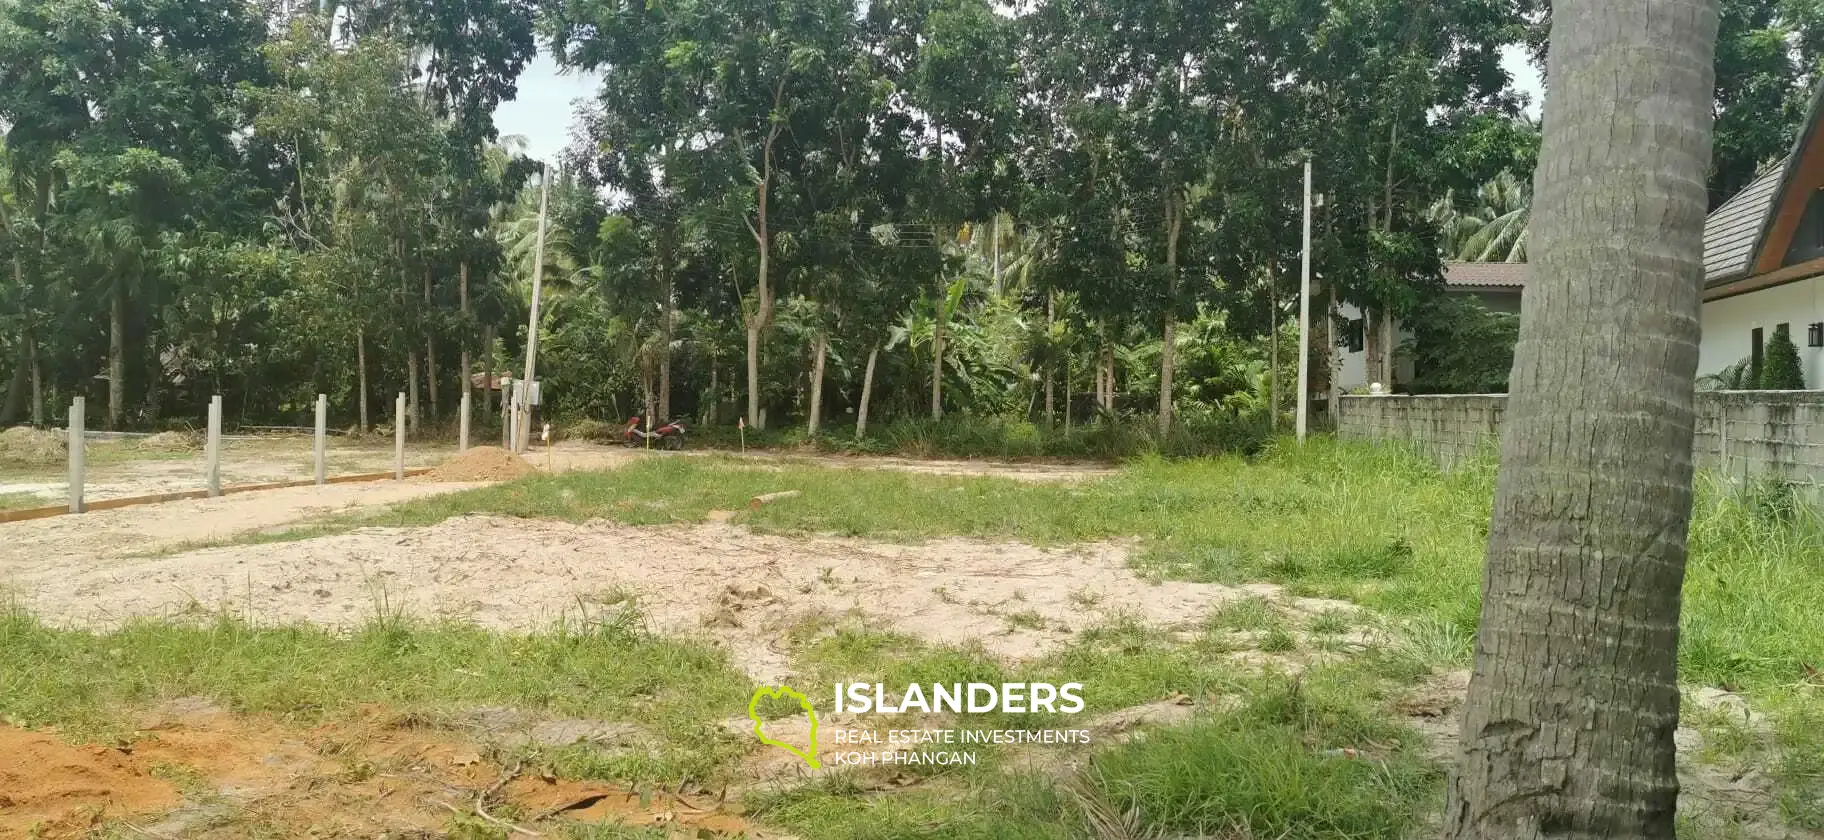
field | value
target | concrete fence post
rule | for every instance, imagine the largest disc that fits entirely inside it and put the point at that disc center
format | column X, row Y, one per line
column 78, row 452
column 322, row 474
column 399, row 437
column 212, row 448
column 462, row 435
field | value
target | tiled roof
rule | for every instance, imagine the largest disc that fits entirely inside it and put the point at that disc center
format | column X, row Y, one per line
column 1732, row 232
column 1485, row 274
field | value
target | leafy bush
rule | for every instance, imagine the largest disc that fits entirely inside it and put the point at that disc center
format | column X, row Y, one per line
column 1460, row 346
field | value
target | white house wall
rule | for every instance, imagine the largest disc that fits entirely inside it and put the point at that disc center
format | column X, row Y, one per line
column 1729, row 323
column 1355, row 365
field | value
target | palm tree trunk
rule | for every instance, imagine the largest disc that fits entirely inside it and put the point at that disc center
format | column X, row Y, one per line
column 817, row 383
column 867, row 393
column 117, row 354
column 671, row 319
column 1050, row 416
column 753, row 374
column 361, row 374
column 15, row 389
column 1169, row 348
column 430, row 349
column 411, row 392
column 487, row 363
column 462, row 293
column 937, row 354
column 37, row 385
column 1568, row 728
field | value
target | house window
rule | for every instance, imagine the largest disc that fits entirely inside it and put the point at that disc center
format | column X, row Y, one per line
column 1357, row 329
column 1808, row 240
column 1756, row 349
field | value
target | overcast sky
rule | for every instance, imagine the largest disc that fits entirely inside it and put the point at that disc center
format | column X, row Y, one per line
column 543, row 110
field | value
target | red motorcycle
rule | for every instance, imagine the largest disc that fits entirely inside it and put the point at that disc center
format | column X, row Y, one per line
column 669, row 436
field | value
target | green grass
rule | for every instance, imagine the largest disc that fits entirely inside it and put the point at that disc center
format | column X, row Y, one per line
column 1264, row 769
column 600, row 668
column 21, row 501
column 1374, row 525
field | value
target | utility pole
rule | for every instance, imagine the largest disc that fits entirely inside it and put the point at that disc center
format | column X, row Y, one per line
column 1304, row 316
column 538, row 286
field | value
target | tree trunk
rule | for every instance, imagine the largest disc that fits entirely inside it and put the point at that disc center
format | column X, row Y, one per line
column 430, row 376
column 462, row 297
column 155, row 374
column 762, row 316
column 816, row 421
column 1389, row 350
column 37, row 386
column 411, row 392
column 1273, row 351
column 1050, row 406
column 753, row 375
column 487, row 362
column 1568, row 727
column 117, row 355
column 1067, row 393
column 937, row 353
column 430, row 350
column 1335, row 358
column 715, row 393
column 867, row 393
column 15, row 389
column 1168, row 350
column 361, row 374
column 671, row 318
column 1051, row 316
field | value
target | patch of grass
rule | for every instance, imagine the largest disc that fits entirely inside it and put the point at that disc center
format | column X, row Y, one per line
column 22, row 501
column 597, row 668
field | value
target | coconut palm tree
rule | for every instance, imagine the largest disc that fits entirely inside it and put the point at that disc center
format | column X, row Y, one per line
column 1494, row 229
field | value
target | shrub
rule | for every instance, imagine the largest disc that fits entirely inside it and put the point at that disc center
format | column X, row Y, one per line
column 1780, row 369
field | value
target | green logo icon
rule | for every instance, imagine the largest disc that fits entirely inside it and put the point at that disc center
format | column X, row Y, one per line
column 809, row 753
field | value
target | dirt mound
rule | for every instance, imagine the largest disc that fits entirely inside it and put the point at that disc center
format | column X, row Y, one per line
column 26, row 445
column 483, row 463
column 52, row 789
column 173, row 442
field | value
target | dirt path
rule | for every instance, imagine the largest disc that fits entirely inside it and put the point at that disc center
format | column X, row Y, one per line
column 742, row 589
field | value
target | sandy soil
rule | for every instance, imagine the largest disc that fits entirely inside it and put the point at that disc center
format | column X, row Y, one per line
column 97, row 537
column 119, row 469
column 742, row 589
column 378, row 775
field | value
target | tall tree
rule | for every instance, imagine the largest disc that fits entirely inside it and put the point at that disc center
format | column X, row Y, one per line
column 1573, row 702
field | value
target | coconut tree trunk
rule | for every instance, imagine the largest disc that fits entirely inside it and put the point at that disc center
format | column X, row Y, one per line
column 15, row 389
column 1568, row 728
column 37, row 385
column 487, row 363
column 816, row 420
column 117, row 354
column 1168, row 350
column 937, row 354
column 867, row 393
column 430, row 376
column 666, row 333
column 462, row 297
column 430, row 349
column 715, row 393
column 411, row 392
column 361, row 374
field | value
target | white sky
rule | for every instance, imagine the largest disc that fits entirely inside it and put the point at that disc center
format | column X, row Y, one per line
column 543, row 110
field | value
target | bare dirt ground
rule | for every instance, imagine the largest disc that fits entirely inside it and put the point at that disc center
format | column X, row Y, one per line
column 742, row 589
column 122, row 468
column 195, row 771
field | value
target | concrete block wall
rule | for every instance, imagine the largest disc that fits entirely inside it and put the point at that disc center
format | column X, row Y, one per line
column 1741, row 434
